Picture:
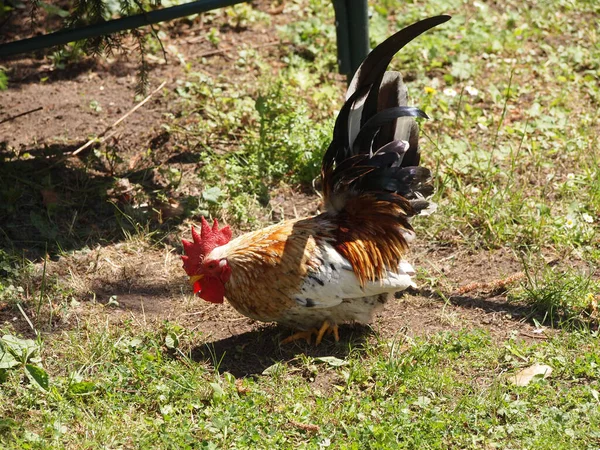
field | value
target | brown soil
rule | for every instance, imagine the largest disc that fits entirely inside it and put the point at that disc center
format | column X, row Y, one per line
column 148, row 283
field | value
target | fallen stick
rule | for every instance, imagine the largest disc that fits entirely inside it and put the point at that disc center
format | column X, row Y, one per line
column 8, row 119
column 491, row 286
column 252, row 47
column 305, row 426
column 533, row 336
column 100, row 138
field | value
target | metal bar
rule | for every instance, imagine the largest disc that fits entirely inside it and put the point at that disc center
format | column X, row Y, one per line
column 342, row 37
column 352, row 32
column 112, row 26
column 358, row 21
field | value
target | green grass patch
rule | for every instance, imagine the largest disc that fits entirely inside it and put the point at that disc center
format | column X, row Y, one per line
column 123, row 387
column 276, row 139
column 561, row 298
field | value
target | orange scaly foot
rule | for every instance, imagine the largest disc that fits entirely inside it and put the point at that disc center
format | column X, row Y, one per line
column 336, row 332
column 300, row 335
column 328, row 327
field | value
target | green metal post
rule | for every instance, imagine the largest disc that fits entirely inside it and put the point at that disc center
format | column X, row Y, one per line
column 112, row 26
column 352, row 28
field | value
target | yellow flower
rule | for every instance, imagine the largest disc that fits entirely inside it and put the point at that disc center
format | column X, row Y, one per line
column 429, row 90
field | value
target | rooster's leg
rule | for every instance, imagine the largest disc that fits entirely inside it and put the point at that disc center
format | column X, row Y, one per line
column 336, row 332
column 300, row 335
column 327, row 326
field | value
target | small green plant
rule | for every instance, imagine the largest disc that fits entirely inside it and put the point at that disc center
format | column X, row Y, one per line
column 283, row 144
column 69, row 54
column 22, row 354
column 95, row 106
column 289, row 144
column 3, row 80
column 244, row 15
column 564, row 298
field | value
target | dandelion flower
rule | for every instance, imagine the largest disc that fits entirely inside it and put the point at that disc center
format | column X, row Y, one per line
column 429, row 90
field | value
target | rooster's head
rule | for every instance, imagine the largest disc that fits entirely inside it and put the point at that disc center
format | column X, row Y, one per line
column 207, row 275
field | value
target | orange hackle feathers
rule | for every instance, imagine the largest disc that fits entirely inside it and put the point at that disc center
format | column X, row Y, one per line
column 202, row 244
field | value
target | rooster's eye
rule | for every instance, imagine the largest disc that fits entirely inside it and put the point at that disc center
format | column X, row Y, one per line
column 211, row 265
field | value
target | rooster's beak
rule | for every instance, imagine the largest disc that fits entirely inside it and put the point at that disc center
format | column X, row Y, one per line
column 195, row 278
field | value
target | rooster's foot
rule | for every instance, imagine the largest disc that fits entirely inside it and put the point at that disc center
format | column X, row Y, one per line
column 327, row 326
column 300, row 335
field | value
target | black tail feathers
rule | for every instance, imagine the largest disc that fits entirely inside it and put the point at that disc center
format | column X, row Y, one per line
column 375, row 145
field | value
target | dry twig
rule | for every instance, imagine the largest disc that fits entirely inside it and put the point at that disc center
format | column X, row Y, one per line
column 102, row 136
column 491, row 286
column 534, row 336
column 305, row 426
column 224, row 51
column 8, row 119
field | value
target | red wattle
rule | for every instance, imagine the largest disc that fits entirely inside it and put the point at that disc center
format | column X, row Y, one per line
column 197, row 287
column 212, row 290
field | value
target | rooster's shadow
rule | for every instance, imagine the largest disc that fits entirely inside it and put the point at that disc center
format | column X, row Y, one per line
column 250, row 353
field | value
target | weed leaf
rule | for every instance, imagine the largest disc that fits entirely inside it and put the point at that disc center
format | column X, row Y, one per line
column 37, row 375
column 82, row 388
column 7, row 360
column 272, row 370
column 332, row 361
column 21, row 349
column 217, row 389
column 212, row 195
column 171, row 341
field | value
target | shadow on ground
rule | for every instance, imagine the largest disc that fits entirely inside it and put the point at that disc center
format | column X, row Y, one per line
column 50, row 202
column 490, row 303
column 250, row 353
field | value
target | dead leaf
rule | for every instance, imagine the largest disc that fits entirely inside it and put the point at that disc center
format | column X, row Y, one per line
column 239, row 386
column 305, row 426
column 536, row 371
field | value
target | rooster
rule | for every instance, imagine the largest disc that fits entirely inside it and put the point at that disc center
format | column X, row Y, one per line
column 315, row 273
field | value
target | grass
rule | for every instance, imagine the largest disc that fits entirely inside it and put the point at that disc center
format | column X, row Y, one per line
column 513, row 144
column 285, row 144
column 123, row 387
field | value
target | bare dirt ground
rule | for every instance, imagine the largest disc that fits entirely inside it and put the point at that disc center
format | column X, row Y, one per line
column 147, row 282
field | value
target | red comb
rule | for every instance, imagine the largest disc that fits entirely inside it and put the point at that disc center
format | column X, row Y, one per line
column 203, row 244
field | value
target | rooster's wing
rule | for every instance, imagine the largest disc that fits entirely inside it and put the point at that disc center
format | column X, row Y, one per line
column 334, row 279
